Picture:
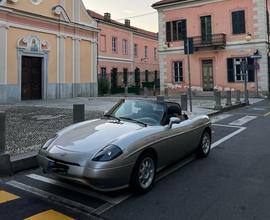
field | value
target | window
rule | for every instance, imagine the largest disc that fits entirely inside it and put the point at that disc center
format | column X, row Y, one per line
column 155, row 53
column 235, row 73
column 178, row 71
column 125, row 76
column 103, row 73
column 114, row 44
column 176, row 30
column 136, row 50
column 103, row 42
column 125, row 47
column 146, row 75
column 238, row 22
column 145, row 51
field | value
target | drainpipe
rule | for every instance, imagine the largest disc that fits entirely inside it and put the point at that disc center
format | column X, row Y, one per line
column 268, row 44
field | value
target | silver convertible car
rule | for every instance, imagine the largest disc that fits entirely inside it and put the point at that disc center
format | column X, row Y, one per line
column 127, row 146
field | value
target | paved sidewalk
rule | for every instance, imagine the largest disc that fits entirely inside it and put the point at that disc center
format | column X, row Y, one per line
column 201, row 105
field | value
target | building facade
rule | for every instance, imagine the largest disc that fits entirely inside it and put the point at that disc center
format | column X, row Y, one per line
column 126, row 55
column 48, row 50
column 230, row 41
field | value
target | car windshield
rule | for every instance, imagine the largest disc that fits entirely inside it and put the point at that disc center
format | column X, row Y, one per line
column 140, row 111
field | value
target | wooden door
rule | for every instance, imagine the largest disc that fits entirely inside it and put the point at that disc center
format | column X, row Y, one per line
column 207, row 72
column 31, row 78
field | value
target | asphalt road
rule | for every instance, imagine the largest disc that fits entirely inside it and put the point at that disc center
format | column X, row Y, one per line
column 232, row 183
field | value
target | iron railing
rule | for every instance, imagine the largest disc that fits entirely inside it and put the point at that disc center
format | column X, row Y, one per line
column 215, row 41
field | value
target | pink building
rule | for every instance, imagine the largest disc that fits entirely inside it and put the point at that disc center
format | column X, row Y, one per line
column 126, row 54
column 226, row 34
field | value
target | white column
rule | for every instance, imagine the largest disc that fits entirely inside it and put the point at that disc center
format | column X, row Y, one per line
column 76, row 64
column 162, row 57
column 3, row 54
column 94, row 61
column 62, row 62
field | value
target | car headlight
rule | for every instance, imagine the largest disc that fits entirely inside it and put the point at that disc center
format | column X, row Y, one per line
column 49, row 142
column 108, row 153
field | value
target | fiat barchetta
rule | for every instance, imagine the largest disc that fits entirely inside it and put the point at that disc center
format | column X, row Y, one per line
column 127, row 146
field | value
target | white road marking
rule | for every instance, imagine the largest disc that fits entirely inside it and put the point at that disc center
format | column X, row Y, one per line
column 228, row 126
column 219, row 117
column 228, row 137
column 111, row 202
column 52, row 197
column 76, row 189
column 242, row 121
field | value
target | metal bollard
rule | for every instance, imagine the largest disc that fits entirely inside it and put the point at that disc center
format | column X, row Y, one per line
column 154, row 89
column 78, row 113
column 184, row 102
column 2, row 132
column 217, row 96
column 160, row 98
column 228, row 98
column 166, row 91
column 145, row 92
column 237, row 97
column 126, row 91
column 246, row 99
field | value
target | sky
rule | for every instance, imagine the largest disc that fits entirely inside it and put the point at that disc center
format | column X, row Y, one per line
column 121, row 9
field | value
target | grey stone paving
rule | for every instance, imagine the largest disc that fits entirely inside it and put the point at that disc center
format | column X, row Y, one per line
column 31, row 123
column 28, row 127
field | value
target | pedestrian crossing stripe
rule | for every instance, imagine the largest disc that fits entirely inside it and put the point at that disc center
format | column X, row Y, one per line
column 50, row 214
column 267, row 114
column 6, row 197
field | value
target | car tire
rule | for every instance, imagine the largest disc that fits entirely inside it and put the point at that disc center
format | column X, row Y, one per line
column 144, row 173
column 205, row 145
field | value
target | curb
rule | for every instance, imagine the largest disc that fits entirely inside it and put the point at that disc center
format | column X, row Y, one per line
column 17, row 163
column 227, row 108
column 26, row 161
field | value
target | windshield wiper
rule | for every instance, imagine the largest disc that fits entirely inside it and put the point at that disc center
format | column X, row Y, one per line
column 134, row 120
column 112, row 116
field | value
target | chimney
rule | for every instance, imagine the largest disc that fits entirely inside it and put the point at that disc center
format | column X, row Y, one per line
column 107, row 16
column 127, row 22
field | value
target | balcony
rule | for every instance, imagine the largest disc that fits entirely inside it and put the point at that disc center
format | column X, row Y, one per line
column 211, row 42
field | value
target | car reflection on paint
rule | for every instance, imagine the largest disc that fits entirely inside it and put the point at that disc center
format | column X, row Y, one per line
column 127, row 146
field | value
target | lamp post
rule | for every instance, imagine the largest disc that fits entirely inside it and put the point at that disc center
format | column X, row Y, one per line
column 244, row 67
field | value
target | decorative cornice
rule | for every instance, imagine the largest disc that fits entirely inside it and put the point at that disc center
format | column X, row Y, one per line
column 58, row 10
column 5, row 26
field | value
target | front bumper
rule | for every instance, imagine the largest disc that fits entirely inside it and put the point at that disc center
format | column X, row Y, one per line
column 99, row 179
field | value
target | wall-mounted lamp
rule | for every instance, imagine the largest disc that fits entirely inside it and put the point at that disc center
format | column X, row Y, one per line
column 167, row 45
column 248, row 37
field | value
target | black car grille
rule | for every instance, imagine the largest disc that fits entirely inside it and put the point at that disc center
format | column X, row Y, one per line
column 64, row 162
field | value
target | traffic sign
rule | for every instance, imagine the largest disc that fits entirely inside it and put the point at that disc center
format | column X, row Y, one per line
column 256, row 56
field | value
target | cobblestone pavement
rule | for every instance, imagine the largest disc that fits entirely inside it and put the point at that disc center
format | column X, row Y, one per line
column 31, row 123
column 28, row 127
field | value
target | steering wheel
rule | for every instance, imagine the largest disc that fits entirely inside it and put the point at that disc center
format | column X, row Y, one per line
column 148, row 120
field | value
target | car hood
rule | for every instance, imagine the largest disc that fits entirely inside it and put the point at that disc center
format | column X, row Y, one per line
column 91, row 136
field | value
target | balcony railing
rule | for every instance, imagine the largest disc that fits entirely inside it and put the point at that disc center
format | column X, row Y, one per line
column 210, row 42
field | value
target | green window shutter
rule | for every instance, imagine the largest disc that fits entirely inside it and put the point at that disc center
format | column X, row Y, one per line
column 168, row 32
column 242, row 22
column 183, row 33
column 251, row 72
column 230, row 70
column 174, row 30
column 238, row 22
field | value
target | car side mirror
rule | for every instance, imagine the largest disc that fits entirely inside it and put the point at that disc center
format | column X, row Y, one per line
column 105, row 112
column 173, row 121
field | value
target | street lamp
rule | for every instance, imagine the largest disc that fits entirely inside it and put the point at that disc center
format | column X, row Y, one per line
column 244, row 66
